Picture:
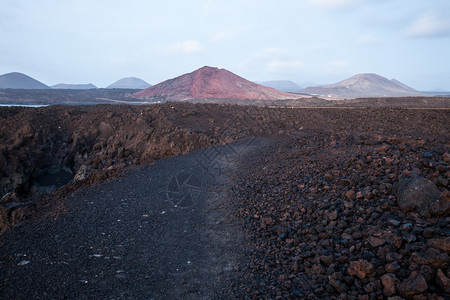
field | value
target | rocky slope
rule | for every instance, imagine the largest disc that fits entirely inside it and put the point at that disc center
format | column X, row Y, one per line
column 210, row 83
column 347, row 215
column 363, row 85
column 17, row 80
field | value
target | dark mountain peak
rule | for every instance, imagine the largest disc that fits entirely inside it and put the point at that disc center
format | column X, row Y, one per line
column 16, row 80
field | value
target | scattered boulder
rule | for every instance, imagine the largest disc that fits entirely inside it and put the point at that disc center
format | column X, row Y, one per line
column 82, row 173
column 416, row 194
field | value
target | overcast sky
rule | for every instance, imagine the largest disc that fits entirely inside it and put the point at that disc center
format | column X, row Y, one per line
column 306, row 41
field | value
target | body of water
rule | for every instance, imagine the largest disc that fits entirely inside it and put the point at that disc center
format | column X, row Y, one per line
column 25, row 105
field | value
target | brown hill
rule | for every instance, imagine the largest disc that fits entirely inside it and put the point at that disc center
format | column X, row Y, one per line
column 210, row 83
column 363, row 86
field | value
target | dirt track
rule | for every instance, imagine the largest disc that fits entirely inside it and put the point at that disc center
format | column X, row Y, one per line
column 140, row 236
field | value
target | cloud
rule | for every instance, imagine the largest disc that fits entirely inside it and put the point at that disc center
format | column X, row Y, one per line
column 429, row 24
column 369, row 39
column 334, row 4
column 280, row 66
column 187, row 47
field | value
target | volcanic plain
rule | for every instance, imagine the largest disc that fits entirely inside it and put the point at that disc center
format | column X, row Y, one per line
column 319, row 203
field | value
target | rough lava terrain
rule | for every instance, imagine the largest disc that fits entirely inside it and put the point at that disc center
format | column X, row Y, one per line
column 334, row 204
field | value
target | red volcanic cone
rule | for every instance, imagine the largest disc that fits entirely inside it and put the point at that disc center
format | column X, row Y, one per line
column 210, row 83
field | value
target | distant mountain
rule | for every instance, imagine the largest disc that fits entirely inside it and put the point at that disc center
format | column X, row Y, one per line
column 210, row 83
column 363, row 85
column 281, row 85
column 129, row 83
column 17, row 80
column 67, row 86
column 439, row 90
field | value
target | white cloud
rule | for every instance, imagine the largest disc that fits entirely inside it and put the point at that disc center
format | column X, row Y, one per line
column 369, row 39
column 333, row 4
column 280, row 66
column 187, row 47
column 429, row 24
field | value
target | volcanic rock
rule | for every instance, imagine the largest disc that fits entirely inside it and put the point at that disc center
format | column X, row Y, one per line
column 82, row 173
column 210, row 83
column 441, row 244
column 9, row 197
column 441, row 207
column 360, row 268
column 416, row 194
column 432, row 257
column 389, row 282
column 413, row 285
column 443, row 281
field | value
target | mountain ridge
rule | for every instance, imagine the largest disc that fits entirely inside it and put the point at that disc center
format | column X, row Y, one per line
column 74, row 86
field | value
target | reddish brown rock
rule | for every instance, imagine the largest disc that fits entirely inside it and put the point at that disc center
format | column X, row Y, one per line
column 350, row 194
column 441, row 207
column 432, row 257
column 446, row 157
column 413, row 285
column 375, row 242
column 360, row 268
column 441, row 244
column 389, row 282
column 443, row 281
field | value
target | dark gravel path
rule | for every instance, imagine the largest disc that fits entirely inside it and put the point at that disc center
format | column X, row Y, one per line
column 160, row 232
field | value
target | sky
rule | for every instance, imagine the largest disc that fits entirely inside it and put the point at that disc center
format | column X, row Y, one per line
column 306, row 41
